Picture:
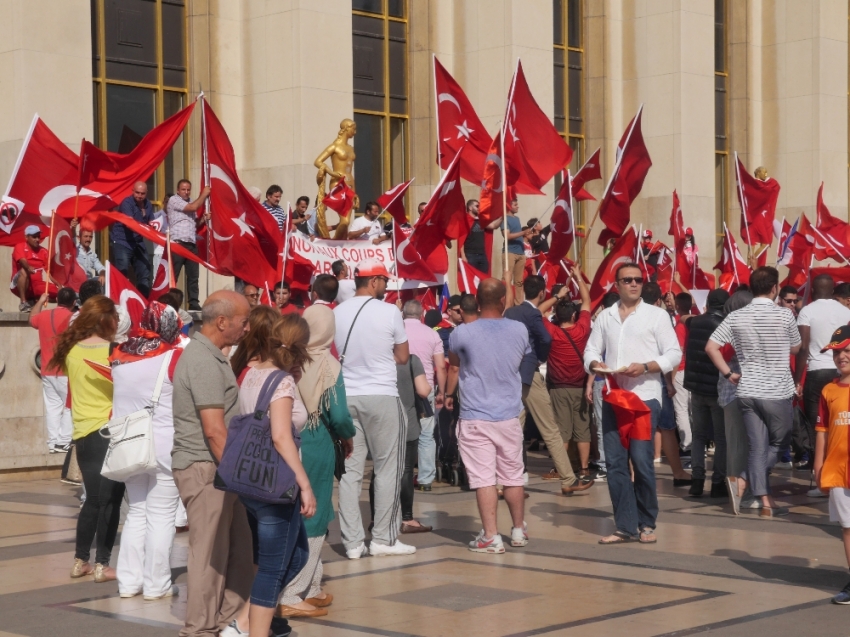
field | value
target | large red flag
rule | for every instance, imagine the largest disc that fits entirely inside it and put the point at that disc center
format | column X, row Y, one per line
column 758, row 205
column 677, row 222
column 492, row 197
column 732, row 266
column 797, row 251
column 563, row 224
column 245, row 239
column 340, row 199
column 533, row 146
column 821, row 248
column 393, row 201
column 444, row 217
column 64, row 269
column 120, row 290
column 664, row 267
column 468, row 277
column 623, row 252
column 458, row 128
column 834, row 230
column 114, row 174
column 409, row 264
column 163, row 278
column 103, row 219
column 590, row 171
column 633, row 163
column 781, row 231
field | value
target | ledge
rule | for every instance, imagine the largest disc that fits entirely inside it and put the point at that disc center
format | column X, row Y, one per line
column 35, row 461
column 15, row 317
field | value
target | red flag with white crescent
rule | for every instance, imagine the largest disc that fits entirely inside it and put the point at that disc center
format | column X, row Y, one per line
column 64, row 268
column 409, row 263
column 590, row 171
column 393, row 201
column 120, row 290
column 162, row 278
column 468, row 277
column 758, row 205
column 562, row 226
column 623, row 252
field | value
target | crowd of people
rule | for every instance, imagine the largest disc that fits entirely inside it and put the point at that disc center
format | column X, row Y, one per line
column 753, row 385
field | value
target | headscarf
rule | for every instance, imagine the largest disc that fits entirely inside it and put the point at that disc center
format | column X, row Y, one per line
column 157, row 333
column 321, row 373
column 124, row 324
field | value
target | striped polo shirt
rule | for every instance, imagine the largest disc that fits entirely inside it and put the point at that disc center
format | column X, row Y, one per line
column 762, row 335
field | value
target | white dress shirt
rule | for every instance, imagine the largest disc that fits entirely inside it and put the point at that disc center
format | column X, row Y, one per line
column 646, row 335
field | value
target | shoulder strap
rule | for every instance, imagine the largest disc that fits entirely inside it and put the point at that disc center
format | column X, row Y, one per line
column 160, row 379
column 345, row 347
column 266, row 393
column 573, row 343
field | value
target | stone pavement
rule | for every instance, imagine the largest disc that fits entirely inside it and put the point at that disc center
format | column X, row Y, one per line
column 710, row 573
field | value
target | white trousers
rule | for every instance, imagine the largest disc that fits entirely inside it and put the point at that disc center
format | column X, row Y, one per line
column 681, row 405
column 144, row 561
column 57, row 417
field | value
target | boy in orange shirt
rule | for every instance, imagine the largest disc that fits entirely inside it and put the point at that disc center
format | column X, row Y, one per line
column 832, row 445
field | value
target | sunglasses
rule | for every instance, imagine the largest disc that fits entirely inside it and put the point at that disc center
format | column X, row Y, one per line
column 253, row 296
column 789, row 301
column 628, row 280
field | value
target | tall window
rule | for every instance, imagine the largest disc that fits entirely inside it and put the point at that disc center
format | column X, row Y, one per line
column 568, row 46
column 140, row 78
column 380, row 95
column 721, row 119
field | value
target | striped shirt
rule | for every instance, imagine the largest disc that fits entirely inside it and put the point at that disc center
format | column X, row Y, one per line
column 278, row 213
column 762, row 334
column 181, row 224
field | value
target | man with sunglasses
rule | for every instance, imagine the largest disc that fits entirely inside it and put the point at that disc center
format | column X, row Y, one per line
column 638, row 340
column 28, row 261
column 251, row 294
column 788, row 297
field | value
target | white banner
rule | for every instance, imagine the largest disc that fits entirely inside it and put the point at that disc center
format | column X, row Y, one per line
column 323, row 252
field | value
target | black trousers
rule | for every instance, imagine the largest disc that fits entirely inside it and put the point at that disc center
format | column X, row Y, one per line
column 812, row 388
column 102, row 509
column 192, row 273
column 411, row 453
column 479, row 261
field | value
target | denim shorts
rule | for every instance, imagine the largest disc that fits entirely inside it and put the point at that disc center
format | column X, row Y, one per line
column 667, row 417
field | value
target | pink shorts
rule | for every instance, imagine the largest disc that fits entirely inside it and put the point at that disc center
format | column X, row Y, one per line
column 491, row 452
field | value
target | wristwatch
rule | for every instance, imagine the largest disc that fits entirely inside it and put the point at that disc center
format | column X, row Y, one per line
column 727, row 376
column 645, row 368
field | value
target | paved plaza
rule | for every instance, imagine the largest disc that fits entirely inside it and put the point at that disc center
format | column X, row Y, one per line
column 710, row 573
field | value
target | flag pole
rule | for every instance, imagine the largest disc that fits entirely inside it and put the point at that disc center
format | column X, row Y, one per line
column 572, row 216
column 504, row 203
column 46, row 271
column 285, row 242
column 462, row 268
column 831, row 245
column 436, row 115
column 206, row 170
column 171, row 281
column 731, row 254
column 743, row 203
column 780, row 242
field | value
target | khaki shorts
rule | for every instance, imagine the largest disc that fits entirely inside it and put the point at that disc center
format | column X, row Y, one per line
column 572, row 413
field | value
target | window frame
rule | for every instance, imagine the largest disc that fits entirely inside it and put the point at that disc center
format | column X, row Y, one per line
column 722, row 207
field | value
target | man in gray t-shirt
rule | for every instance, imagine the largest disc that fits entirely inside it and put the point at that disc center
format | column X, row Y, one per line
column 485, row 356
column 205, row 399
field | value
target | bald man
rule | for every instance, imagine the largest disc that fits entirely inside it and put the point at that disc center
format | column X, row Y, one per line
column 205, row 398
column 128, row 247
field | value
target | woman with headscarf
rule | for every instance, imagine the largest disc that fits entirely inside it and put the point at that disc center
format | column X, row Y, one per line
column 144, row 560
column 323, row 394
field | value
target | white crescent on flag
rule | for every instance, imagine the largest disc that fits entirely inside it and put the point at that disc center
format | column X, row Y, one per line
column 57, row 252
column 447, row 97
column 127, row 295
column 217, row 173
column 400, row 252
column 54, row 197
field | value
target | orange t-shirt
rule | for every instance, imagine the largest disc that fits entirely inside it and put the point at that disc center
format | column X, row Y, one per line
column 834, row 420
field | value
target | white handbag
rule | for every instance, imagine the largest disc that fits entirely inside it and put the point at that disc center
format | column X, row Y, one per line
column 131, row 446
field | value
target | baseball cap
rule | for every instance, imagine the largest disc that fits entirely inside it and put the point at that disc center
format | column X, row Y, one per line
column 371, row 267
column 31, row 230
column 689, row 231
column 840, row 338
column 647, row 234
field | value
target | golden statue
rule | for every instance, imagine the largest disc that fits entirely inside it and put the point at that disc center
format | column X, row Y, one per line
column 760, row 173
column 341, row 154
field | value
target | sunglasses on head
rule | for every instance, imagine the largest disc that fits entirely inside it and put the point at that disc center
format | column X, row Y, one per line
column 628, row 280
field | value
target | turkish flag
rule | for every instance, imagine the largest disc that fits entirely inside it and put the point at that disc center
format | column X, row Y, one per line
column 781, row 230
column 797, row 251
column 408, row 262
column 590, row 171
column 623, row 252
column 677, row 223
column 444, row 217
column 732, row 266
column 491, row 200
column 114, row 174
column 458, row 128
column 563, row 223
column 633, row 163
column 64, row 269
column 533, row 146
column 836, row 231
column 634, row 418
column 820, row 247
column 245, row 240
column 393, row 201
column 103, row 219
column 120, row 290
column 758, row 205
column 664, row 267
column 163, row 278
column 468, row 277
column 340, row 199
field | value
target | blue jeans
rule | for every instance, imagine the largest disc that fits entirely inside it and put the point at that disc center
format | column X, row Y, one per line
column 635, row 504
column 427, row 448
column 479, row 261
column 137, row 256
column 280, row 548
column 597, row 421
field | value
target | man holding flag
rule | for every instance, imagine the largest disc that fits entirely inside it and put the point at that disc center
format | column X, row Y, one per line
column 128, row 247
column 183, row 225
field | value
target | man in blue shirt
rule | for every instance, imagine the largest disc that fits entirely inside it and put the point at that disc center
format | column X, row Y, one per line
column 128, row 247
column 515, row 265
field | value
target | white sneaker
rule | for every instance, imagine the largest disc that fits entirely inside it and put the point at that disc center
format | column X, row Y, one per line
column 171, row 592
column 751, row 504
column 232, row 630
column 656, row 460
column 817, row 493
column 399, row 548
column 483, row 545
column 519, row 537
column 357, row 552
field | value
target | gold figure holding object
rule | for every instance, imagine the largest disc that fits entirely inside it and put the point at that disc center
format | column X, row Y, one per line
column 759, row 173
column 341, row 154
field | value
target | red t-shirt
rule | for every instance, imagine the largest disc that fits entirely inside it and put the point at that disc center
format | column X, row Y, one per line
column 289, row 308
column 36, row 258
column 565, row 367
column 50, row 324
column 682, row 335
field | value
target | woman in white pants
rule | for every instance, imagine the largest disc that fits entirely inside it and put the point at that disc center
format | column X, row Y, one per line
column 144, row 561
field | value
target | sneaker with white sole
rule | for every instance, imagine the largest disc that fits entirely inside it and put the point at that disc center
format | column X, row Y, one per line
column 483, row 545
column 399, row 548
column 357, row 552
column 784, row 465
column 751, row 504
column 817, row 493
column 519, row 537
column 232, row 630
column 171, row 592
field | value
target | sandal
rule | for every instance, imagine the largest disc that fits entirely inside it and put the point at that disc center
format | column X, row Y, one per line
column 617, row 537
column 551, row 475
column 647, row 536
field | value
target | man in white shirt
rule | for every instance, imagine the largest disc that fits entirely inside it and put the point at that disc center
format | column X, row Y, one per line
column 639, row 339
column 368, row 227
column 816, row 322
column 346, row 285
column 371, row 341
